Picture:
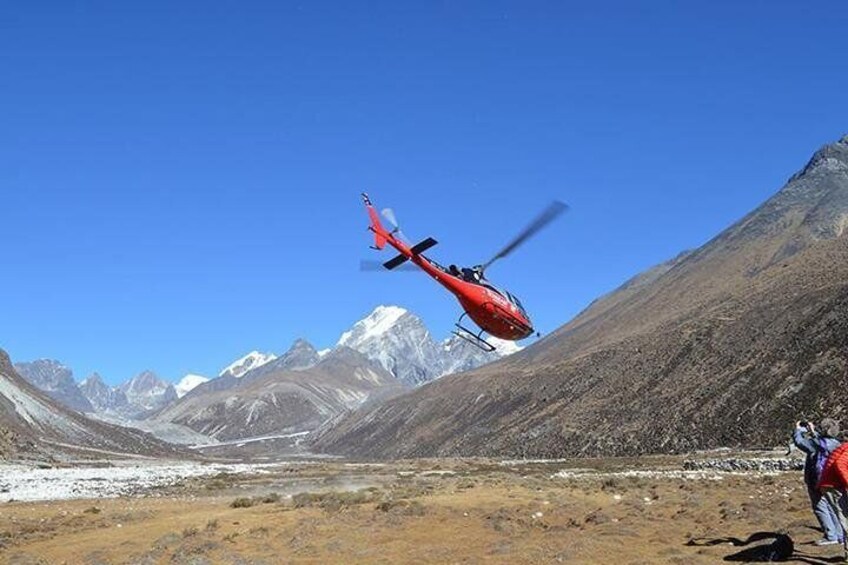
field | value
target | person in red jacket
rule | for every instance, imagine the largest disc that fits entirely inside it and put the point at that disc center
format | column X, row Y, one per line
column 833, row 482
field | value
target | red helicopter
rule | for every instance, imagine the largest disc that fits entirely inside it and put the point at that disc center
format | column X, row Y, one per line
column 495, row 311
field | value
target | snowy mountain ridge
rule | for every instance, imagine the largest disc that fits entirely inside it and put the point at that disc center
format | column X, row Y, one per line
column 391, row 336
column 187, row 383
column 242, row 365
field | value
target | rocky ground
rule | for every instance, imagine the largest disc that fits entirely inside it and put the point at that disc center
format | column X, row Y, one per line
column 644, row 510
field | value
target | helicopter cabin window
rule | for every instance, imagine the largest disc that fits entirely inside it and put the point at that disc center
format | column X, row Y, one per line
column 515, row 301
column 435, row 264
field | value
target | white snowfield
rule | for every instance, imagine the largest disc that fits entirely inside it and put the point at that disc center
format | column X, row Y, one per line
column 20, row 482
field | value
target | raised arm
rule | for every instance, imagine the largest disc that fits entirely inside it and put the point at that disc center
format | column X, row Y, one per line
column 805, row 444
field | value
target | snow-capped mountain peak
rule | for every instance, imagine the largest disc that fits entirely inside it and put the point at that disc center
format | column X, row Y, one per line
column 187, row 383
column 247, row 363
column 376, row 323
column 401, row 343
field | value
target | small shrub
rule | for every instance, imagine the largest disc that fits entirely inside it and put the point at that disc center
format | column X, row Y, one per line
column 242, row 503
column 212, row 525
column 402, row 507
column 271, row 498
column 609, row 483
column 92, row 510
column 219, row 481
column 190, row 532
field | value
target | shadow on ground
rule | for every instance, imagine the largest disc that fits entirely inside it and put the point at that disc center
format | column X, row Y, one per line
column 770, row 547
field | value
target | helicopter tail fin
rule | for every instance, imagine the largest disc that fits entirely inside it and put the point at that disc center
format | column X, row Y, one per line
column 380, row 233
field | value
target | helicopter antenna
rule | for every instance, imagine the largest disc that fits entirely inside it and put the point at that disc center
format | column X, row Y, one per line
column 550, row 213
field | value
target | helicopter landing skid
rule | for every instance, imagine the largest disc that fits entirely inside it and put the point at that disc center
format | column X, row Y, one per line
column 474, row 339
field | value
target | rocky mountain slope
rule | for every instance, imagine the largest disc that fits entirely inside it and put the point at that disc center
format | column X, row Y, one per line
column 146, row 392
column 725, row 345
column 102, row 397
column 32, row 423
column 56, row 380
column 282, row 401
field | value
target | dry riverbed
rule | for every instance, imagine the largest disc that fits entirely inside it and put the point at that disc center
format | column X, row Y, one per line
column 649, row 510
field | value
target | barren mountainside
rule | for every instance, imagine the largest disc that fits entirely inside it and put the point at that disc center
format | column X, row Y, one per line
column 282, row 401
column 725, row 345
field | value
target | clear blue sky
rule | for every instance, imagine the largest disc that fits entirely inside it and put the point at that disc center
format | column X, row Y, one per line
column 179, row 181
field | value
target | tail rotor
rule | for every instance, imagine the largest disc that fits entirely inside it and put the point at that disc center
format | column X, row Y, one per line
column 390, row 217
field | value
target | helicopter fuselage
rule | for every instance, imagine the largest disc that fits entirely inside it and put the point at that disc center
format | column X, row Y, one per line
column 497, row 312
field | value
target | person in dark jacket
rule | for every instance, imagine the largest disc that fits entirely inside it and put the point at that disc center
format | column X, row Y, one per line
column 818, row 445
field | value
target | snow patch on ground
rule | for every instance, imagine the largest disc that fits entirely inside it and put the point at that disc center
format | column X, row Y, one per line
column 20, row 482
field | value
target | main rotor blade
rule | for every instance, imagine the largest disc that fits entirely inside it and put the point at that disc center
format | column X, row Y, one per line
column 553, row 210
column 368, row 265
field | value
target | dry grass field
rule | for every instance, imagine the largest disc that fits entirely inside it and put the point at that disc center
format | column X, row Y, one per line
column 434, row 511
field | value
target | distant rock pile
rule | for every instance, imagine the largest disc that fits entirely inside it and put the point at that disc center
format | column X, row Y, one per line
column 737, row 464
